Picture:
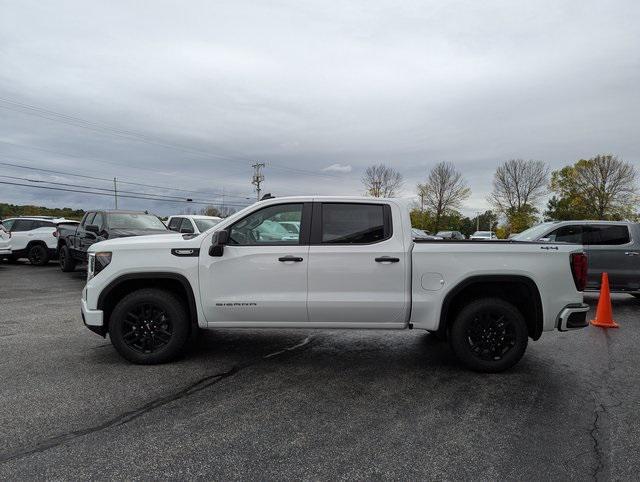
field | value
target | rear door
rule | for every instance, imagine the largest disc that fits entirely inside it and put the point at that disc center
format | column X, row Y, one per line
column 20, row 233
column 357, row 265
column 607, row 245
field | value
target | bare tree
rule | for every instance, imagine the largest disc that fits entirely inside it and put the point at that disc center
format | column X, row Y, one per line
column 518, row 183
column 444, row 191
column 382, row 181
column 607, row 185
column 210, row 210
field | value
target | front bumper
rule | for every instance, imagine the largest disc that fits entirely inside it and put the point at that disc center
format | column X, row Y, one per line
column 5, row 251
column 93, row 319
column 573, row 317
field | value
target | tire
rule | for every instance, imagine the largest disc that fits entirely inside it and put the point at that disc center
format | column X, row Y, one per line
column 489, row 335
column 160, row 336
column 38, row 255
column 438, row 335
column 67, row 263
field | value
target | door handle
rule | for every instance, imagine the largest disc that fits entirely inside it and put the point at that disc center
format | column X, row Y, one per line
column 295, row 259
column 632, row 253
column 387, row 259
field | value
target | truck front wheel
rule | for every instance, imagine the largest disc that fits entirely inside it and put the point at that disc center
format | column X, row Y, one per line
column 149, row 326
column 489, row 335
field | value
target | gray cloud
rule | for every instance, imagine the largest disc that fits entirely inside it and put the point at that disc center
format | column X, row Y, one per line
column 213, row 86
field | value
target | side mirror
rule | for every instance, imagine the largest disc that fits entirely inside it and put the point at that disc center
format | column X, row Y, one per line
column 92, row 228
column 220, row 238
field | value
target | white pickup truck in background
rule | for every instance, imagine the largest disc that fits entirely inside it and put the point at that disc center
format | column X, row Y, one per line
column 354, row 264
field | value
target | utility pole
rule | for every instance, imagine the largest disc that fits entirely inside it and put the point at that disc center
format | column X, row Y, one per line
column 477, row 220
column 115, row 191
column 258, row 177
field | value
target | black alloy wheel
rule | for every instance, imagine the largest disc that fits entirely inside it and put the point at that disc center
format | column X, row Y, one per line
column 150, row 326
column 147, row 328
column 38, row 255
column 489, row 335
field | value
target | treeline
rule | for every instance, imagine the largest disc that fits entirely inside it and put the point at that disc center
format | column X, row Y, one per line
column 602, row 187
column 12, row 210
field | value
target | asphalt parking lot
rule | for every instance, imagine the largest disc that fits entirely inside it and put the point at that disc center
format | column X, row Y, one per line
column 306, row 405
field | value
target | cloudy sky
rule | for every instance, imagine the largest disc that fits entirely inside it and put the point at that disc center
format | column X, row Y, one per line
column 187, row 95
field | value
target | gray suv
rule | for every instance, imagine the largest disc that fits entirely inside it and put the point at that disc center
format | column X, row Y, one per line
column 611, row 246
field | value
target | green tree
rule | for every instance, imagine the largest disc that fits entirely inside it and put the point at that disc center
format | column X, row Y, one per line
column 603, row 187
column 520, row 219
column 10, row 210
column 443, row 193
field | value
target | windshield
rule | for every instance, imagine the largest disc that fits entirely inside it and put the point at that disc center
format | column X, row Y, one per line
column 135, row 221
column 533, row 233
column 486, row 234
column 204, row 224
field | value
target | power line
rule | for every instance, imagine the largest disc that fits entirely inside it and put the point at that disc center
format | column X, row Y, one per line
column 114, row 191
column 53, row 171
column 110, row 194
column 103, row 128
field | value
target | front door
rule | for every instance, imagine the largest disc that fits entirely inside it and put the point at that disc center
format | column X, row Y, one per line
column 357, row 266
column 262, row 274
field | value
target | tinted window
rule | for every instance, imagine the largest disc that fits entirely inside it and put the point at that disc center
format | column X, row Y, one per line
column 263, row 227
column 88, row 219
column 186, row 226
column 42, row 224
column 606, row 235
column 174, row 224
column 98, row 220
column 566, row 234
column 352, row 223
column 22, row 225
column 8, row 223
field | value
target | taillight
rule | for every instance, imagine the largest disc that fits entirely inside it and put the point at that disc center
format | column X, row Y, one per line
column 579, row 267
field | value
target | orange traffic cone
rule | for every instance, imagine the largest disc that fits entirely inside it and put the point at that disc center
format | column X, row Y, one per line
column 604, row 315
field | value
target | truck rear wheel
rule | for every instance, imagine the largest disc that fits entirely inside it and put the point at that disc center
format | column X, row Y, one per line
column 38, row 255
column 489, row 335
column 149, row 326
column 67, row 263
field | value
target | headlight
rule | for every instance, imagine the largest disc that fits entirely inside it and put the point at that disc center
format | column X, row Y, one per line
column 97, row 262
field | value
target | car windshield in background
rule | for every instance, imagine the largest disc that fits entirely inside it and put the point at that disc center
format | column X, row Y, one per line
column 135, row 221
column 533, row 233
column 205, row 224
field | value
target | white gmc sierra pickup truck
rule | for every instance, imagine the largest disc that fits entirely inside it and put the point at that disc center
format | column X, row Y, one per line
column 353, row 264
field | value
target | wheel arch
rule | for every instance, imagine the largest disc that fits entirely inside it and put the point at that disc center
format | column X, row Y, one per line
column 519, row 290
column 125, row 284
column 36, row 242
